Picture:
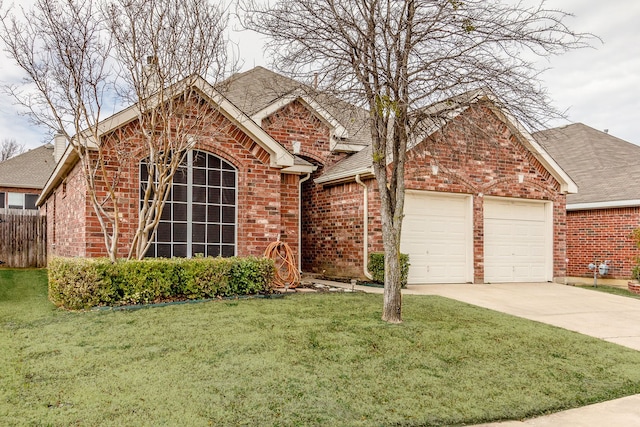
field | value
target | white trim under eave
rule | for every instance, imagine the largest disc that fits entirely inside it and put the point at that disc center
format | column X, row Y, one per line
column 603, row 205
column 348, row 175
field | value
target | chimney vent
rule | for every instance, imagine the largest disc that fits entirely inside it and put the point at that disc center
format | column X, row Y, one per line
column 59, row 145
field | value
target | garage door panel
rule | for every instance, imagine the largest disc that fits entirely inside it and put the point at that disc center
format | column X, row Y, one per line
column 516, row 241
column 436, row 237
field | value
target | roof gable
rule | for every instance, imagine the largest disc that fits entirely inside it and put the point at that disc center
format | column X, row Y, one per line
column 278, row 155
column 445, row 111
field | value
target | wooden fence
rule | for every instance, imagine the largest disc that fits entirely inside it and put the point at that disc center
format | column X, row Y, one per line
column 23, row 240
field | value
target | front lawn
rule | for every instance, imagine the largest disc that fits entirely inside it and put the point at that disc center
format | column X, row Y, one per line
column 309, row 359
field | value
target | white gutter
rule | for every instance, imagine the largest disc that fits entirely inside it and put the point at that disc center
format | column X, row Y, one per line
column 300, row 220
column 347, row 175
column 603, row 205
column 365, row 226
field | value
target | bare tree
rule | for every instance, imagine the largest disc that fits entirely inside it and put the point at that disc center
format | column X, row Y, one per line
column 61, row 47
column 179, row 42
column 79, row 55
column 10, row 148
column 396, row 58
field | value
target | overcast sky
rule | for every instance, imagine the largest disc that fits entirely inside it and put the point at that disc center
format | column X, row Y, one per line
column 599, row 87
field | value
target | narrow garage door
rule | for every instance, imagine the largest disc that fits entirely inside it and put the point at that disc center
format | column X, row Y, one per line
column 517, row 241
column 437, row 235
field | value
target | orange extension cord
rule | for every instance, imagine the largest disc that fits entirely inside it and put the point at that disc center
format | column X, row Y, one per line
column 287, row 275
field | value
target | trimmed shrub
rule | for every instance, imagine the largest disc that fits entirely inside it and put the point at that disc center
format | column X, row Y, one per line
column 80, row 283
column 376, row 267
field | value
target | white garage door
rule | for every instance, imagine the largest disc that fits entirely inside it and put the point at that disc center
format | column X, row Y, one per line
column 437, row 235
column 517, row 241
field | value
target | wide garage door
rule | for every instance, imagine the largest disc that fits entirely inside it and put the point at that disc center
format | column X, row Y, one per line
column 517, row 241
column 437, row 235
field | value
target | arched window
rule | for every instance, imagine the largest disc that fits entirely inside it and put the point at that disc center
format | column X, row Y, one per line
column 200, row 215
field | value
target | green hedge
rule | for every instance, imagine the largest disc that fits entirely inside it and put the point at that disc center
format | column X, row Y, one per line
column 80, row 283
column 376, row 267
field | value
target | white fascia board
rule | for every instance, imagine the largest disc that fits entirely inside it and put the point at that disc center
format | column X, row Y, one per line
column 338, row 132
column 349, row 148
column 299, row 169
column 344, row 176
column 603, row 205
column 66, row 163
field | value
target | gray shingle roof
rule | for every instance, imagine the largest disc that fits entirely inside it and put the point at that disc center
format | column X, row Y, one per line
column 258, row 88
column 28, row 170
column 606, row 168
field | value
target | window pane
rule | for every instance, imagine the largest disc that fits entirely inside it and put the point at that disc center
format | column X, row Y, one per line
column 199, row 213
column 214, row 178
column 226, row 165
column 30, row 201
column 228, row 196
column 199, row 159
column 179, row 193
column 16, row 200
column 228, row 250
column 180, row 250
column 1, row 200
column 198, row 233
column 180, row 232
column 180, row 177
column 164, row 251
column 214, row 196
column 163, row 233
column 228, row 234
column 228, row 179
column 228, row 215
column 200, row 177
column 213, row 250
column 213, row 233
column 151, row 252
column 179, row 211
column 166, row 212
column 213, row 213
column 214, row 162
column 144, row 173
column 198, row 250
column 199, row 194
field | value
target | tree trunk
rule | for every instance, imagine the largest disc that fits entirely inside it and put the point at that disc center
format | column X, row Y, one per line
column 392, row 302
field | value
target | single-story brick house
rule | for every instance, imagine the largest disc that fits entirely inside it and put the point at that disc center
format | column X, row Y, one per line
column 291, row 164
column 22, row 178
column 601, row 217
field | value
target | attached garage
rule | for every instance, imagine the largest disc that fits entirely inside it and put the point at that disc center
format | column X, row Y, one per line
column 437, row 233
column 518, row 240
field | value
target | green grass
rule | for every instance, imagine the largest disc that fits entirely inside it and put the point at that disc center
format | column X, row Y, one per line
column 312, row 359
column 611, row 290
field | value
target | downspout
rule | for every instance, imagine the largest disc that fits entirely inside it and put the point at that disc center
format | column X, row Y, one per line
column 300, row 220
column 365, row 221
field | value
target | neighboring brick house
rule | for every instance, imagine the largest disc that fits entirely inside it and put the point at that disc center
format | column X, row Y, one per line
column 22, row 178
column 601, row 217
column 487, row 206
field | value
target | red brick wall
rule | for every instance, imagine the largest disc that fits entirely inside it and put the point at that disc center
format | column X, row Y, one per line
column 295, row 123
column 481, row 161
column 599, row 235
column 66, row 212
column 263, row 214
column 332, row 239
